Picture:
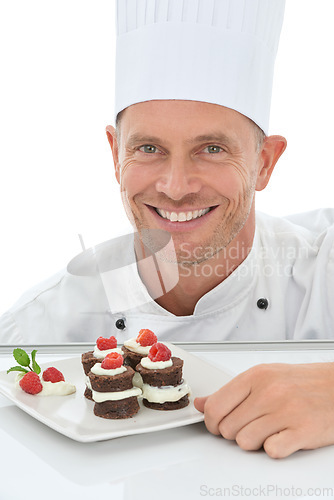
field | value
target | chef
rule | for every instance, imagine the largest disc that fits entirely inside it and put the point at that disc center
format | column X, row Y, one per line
column 190, row 146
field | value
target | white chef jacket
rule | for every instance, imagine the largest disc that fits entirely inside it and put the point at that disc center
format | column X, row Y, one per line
column 291, row 265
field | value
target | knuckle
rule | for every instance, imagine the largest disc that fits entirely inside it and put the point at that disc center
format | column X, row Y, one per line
column 210, row 407
column 246, row 442
column 226, row 429
column 211, row 427
column 273, row 449
column 210, row 417
column 259, row 371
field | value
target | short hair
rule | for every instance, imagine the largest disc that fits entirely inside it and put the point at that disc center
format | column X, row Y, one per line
column 259, row 135
column 118, row 125
column 258, row 132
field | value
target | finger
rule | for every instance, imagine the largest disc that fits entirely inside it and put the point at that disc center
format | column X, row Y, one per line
column 222, row 402
column 253, row 435
column 250, row 409
column 283, row 444
column 199, row 403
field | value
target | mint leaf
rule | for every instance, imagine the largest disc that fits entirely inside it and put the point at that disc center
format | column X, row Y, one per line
column 21, row 357
column 36, row 368
column 17, row 369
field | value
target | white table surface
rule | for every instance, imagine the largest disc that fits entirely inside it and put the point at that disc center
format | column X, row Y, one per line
column 183, row 463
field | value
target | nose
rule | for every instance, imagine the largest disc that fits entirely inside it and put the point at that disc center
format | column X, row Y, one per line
column 178, row 179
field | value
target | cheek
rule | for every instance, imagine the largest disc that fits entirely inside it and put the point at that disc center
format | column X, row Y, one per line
column 232, row 181
column 133, row 178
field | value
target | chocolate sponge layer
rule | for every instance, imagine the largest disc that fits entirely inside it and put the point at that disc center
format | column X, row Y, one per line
column 88, row 394
column 116, row 383
column 166, row 376
column 125, row 408
column 88, row 361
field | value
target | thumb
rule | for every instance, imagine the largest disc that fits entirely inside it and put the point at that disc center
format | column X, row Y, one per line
column 199, row 403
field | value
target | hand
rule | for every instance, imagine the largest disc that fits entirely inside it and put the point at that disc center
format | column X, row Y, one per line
column 282, row 407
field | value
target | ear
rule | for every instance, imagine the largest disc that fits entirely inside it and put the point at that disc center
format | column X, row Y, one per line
column 112, row 139
column 273, row 147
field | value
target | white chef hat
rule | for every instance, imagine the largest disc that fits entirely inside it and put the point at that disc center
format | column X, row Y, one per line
column 216, row 51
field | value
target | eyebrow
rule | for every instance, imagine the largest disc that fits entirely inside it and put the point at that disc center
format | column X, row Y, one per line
column 210, row 137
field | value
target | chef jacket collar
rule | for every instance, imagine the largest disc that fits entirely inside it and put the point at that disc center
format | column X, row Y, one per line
column 132, row 295
column 234, row 288
column 114, row 263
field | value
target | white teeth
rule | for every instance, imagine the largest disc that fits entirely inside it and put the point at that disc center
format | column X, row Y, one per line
column 182, row 216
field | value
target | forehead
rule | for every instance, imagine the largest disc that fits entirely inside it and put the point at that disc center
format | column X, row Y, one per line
column 182, row 118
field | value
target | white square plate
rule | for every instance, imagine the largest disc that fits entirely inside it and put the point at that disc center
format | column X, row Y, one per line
column 73, row 415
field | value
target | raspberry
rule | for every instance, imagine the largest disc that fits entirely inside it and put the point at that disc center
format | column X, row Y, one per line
column 103, row 344
column 159, row 352
column 53, row 375
column 146, row 338
column 112, row 361
column 31, row 383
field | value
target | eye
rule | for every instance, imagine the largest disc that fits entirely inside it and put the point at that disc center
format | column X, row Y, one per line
column 213, row 149
column 148, row 148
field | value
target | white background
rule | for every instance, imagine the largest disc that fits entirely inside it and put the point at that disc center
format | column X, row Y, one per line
column 57, row 96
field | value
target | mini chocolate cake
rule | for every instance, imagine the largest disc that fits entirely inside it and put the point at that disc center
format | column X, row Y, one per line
column 114, row 408
column 102, row 347
column 164, row 378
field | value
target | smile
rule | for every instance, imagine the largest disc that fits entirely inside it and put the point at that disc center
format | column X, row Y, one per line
column 182, row 216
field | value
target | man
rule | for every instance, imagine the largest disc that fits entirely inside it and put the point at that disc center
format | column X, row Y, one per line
column 175, row 175
column 189, row 153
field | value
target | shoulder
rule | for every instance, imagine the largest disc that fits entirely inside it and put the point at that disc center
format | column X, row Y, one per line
column 63, row 308
column 33, row 293
column 300, row 249
column 314, row 228
column 10, row 330
column 72, row 300
column 81, row 277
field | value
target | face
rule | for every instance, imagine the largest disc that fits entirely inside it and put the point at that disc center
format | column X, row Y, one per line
column 189, row 168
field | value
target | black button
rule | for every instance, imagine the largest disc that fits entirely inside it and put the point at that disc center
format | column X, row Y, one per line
column 262, row 303
column 120, row 324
